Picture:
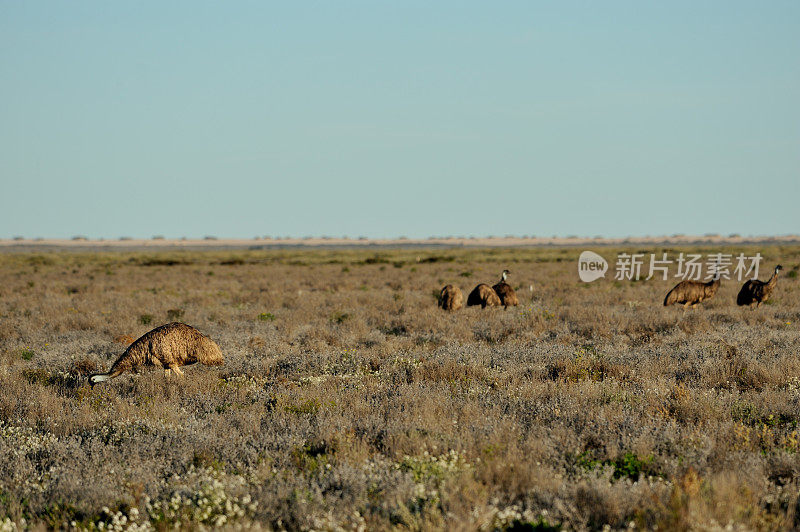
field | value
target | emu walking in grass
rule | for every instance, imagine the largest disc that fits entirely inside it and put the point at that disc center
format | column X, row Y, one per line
column 690, row 293
column 451, row 298
column 169, row 346
column 755, row 292
column 508, row 298
column 483, row 295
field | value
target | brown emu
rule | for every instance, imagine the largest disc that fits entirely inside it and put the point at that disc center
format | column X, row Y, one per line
column 755, row 292
column 691, row 293
column 508, row 298
column 451, row 298
column 483, row 295
column 169, row 346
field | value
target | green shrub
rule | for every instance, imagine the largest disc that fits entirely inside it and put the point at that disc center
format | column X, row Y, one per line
column 310, row 406
column 339, row 317
column 626, row 466
column 630, row 466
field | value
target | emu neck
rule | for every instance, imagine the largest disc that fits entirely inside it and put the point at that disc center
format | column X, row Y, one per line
column 773, row 279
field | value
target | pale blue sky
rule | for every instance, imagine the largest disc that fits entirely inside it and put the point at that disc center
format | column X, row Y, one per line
column 382, row 119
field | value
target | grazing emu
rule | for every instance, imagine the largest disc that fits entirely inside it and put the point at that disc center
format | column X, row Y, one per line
column 755, row 292
column 451, row 298
column 691, row 293
column 170, row 346
column 483, row 295
column 508, row 298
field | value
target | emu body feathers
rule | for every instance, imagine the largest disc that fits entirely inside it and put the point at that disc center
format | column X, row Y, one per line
column 483, row 295
column 169, row 346
column 755, row 292
column 691, row 293
column 451, row 298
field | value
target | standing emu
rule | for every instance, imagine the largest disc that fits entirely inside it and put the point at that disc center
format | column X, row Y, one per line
column 483, row 295
column 691, row 292
column 755, row 292
column 508, row 298
column 170, row 346
column 451, row 298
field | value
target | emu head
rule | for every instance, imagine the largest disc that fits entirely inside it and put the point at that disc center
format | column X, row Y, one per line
column 505, row 274
column 778, row 268
column 97, row 378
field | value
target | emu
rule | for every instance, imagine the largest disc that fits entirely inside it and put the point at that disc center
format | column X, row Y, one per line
column 508, row 298
column 451, row 298
column 691, row 293
column 169, row 346
column 483, row 295
column 755, row 292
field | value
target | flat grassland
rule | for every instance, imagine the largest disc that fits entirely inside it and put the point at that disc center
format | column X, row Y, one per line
column 349, row 400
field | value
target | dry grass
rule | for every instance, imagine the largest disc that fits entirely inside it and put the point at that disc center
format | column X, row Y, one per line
column 348, row 399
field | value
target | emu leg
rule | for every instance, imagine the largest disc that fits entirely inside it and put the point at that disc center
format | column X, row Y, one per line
column 177, row 370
